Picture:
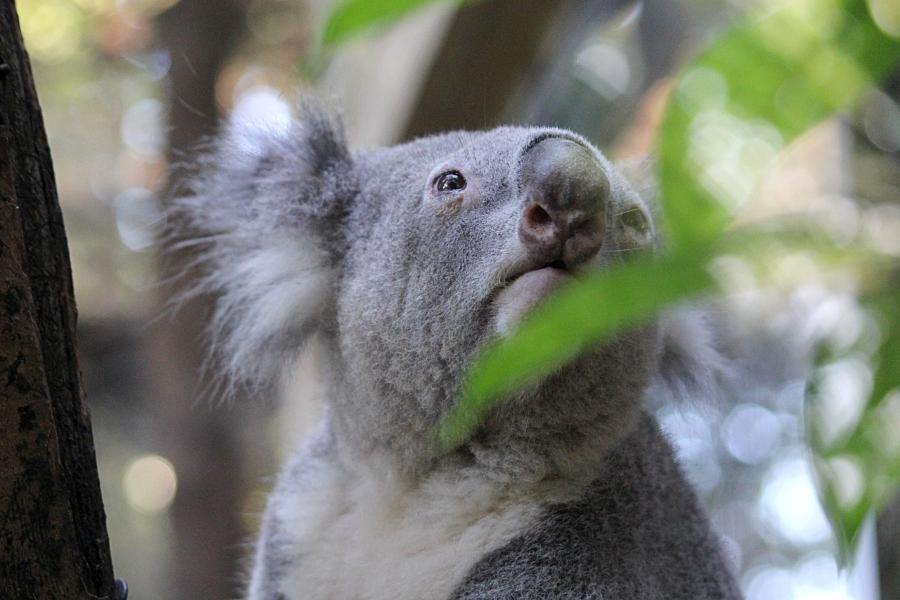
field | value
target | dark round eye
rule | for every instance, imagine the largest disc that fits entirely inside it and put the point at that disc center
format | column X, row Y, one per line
column 450, row 181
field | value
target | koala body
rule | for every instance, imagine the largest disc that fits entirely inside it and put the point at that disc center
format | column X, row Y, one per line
column 404, row 262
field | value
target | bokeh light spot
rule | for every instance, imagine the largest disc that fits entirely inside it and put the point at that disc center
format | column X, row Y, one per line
column 751, row 433
column 847, row 480
column 605, row 68
column 149, row 484
column 702, row 88
column 138, row 217
column 790, row 504
column 886, row 14
column 142, row 129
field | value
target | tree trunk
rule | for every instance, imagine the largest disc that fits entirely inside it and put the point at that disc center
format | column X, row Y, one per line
column 53, row 541
column 500, row 60
column 488, row 50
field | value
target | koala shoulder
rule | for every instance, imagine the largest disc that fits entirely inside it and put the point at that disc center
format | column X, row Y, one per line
column 637, row 532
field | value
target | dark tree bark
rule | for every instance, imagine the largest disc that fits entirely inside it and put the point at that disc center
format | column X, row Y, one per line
column 53, row 541
column 504, row 60
column 203, row 442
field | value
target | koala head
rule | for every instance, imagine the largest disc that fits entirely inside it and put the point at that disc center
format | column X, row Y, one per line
column 405, row 261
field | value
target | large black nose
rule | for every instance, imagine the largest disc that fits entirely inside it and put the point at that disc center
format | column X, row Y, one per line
column 566, row 192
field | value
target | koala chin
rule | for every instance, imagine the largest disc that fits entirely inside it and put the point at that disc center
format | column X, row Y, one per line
column 404, row 262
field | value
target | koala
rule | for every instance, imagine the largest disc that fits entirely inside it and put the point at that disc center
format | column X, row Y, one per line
column 403, row 263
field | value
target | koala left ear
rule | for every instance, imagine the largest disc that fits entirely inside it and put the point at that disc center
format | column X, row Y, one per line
column 694, row 365
column 263, row 223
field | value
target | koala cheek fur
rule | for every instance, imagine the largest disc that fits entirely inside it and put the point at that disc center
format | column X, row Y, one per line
column 404, row 262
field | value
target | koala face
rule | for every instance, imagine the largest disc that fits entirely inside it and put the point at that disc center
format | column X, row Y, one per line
column 407, row 260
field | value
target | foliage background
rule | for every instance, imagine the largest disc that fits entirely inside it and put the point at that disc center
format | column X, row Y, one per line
column 781, row 207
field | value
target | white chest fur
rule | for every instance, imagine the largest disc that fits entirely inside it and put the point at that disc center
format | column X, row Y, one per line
column 364, row 539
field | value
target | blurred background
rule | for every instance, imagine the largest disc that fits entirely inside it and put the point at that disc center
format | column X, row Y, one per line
column 128, row 87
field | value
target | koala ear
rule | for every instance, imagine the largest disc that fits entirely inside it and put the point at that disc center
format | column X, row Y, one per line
column 636, row 213
column 262, row 221
column 693, row 364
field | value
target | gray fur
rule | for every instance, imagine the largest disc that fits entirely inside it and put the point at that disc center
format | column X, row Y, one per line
column 298, row 237
column 662, row 546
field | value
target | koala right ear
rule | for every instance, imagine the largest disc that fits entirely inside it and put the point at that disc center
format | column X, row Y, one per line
column 263, row 223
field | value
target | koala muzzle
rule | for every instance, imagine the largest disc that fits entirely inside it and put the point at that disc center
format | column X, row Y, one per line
column 565, row 195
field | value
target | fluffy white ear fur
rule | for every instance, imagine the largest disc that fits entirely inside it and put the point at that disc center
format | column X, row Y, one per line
column 692, row 366
column 274, row 298
column 252, row 222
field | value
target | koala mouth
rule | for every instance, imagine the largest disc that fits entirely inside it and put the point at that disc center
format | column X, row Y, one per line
column 556, row 264
column 556, row 267
column 526, row 288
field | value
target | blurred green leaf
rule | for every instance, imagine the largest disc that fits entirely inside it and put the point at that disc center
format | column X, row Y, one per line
column 887, row 358
column 768, row 81
column 577, row 316
column 764, row 82
column 351, row 17
column 734, row 108
column 861, row 471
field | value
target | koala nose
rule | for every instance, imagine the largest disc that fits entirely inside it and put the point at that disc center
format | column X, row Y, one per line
column 566, row 191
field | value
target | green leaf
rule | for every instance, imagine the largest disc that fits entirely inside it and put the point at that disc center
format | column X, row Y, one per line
column 870, row 452
column 887, row 358
column 734, row 108
column 351, row 17
column 577, row 316
column 751, row 92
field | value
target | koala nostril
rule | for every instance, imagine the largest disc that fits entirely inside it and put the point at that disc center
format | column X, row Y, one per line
column 537, row 216
column 540, row 232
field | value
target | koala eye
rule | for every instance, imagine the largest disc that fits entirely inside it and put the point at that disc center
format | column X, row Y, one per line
column 450, row 181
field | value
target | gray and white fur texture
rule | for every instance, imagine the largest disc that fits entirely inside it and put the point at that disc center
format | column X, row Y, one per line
column 404, row 262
